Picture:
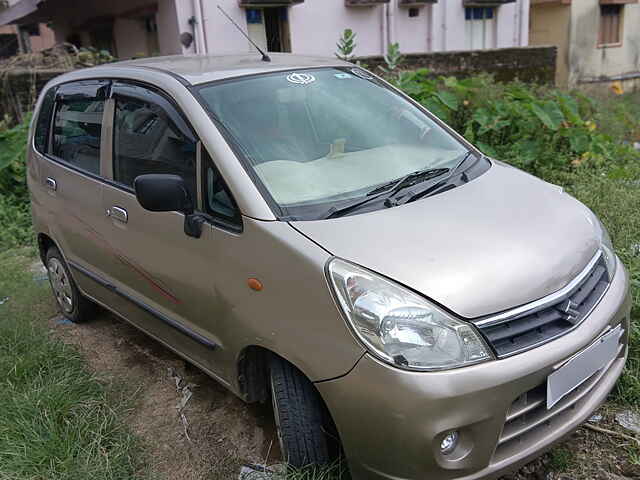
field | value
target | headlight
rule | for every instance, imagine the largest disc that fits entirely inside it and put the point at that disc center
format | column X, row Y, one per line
column 607, row 250
column 401, row 327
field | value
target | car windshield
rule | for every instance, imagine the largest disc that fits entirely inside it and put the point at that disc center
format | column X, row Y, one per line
column 320, row 138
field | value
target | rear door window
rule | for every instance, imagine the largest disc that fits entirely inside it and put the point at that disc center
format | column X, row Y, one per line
column 150, row 136
column 78, row 125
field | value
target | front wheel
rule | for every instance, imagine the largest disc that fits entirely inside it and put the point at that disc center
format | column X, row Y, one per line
column 298, row 413
column 73, row 305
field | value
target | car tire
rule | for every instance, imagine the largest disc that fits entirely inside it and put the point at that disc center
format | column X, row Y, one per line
column 72, row 304
column 298, row 413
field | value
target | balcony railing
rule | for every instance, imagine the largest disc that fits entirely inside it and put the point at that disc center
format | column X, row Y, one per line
column 364, row 3
column 268, row 3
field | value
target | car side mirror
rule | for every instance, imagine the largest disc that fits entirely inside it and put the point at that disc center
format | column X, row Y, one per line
column 168, row 193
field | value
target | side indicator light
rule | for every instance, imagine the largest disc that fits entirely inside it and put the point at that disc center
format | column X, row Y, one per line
column 255, row 284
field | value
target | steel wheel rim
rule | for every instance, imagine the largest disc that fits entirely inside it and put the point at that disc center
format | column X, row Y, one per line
column 60, row 284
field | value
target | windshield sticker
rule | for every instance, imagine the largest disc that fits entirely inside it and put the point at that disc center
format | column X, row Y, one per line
column 362, row 74
column 301, row 78
column 342, row 76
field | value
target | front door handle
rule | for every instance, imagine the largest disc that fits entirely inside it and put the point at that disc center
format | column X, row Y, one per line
column 118, row 213
column 51, row 184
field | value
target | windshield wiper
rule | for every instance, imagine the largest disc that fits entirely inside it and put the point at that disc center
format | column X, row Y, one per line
column 387, row 189
column 409, row 179
column 440, row 185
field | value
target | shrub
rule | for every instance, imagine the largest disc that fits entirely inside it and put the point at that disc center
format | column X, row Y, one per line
column 533, row 127
column 13, row 143
column 15, row 216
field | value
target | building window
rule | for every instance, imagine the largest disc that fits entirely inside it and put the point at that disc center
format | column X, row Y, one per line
column 414, row 12
column 254, row 15
column 150, row 24
column 610, row 25
column 480, row 27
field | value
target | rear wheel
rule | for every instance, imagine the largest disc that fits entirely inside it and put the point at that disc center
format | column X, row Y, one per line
column 298, row 413
column 72, row 304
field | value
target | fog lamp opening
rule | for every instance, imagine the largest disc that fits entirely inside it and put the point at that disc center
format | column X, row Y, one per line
column 449, row 442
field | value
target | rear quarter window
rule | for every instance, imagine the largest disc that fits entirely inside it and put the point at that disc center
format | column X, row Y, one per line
column 43, row 122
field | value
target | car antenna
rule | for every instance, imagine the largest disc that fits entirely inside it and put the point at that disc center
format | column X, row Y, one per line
column 265, row 57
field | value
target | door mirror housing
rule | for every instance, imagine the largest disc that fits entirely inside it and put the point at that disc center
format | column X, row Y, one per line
column 168, row 193
column 163, row 193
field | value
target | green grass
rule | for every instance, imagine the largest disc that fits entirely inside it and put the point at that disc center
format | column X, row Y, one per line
column 618, row 116
column 57, row 420
column 614, row 195
column 560, row 459
column 616, row 201
column 15, row 218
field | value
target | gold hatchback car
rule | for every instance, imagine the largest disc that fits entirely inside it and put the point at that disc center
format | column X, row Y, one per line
column 307, row 234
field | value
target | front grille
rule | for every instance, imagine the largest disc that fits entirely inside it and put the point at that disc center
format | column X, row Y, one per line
column 528, row 418
column 509, row 335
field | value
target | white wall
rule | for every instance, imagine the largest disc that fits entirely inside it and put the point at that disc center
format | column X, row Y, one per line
column 316, row 25
column 413, row 33
column 168, row 31
column 221, row 36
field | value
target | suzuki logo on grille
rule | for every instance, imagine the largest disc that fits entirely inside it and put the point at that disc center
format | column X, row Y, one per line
column 569, row 310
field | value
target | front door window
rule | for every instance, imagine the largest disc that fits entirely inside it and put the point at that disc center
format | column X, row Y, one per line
column 150, row 136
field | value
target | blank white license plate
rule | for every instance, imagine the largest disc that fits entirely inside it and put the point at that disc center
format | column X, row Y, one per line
column 581, row 367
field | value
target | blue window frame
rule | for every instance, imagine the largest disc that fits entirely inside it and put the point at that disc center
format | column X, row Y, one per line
column 478, row 13
column 254, row 15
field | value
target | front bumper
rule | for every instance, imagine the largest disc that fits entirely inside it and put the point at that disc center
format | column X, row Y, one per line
column 391, row 421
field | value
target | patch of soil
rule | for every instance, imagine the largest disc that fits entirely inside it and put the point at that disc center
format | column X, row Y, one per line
column 221, row 432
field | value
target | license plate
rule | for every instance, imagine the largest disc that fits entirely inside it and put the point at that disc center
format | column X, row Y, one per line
column 582, row 367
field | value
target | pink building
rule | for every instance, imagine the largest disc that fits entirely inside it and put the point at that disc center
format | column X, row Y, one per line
column 25, row 38
column 131, row 28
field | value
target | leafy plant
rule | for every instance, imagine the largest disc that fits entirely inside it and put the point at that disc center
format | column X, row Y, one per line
column 13, row 143
column 393, row 59
column 15, row 216
column 537, row 128
column 346, row 46
column 91, row 56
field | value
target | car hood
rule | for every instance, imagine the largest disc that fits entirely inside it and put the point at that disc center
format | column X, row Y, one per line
column 497, row 242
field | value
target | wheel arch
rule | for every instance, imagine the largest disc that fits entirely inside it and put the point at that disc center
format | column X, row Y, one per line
column 45, row 242
column 252, row 369
column 253, row 383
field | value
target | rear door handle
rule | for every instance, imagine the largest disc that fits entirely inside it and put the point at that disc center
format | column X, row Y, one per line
column 118, row 213
column 51, row 184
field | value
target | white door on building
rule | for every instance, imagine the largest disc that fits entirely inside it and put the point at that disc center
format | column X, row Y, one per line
column 480, row 27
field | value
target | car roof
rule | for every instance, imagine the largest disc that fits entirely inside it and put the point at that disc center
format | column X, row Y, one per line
column 198, row 69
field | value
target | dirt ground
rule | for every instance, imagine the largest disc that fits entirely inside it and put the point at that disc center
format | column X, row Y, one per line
column 223, row 433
